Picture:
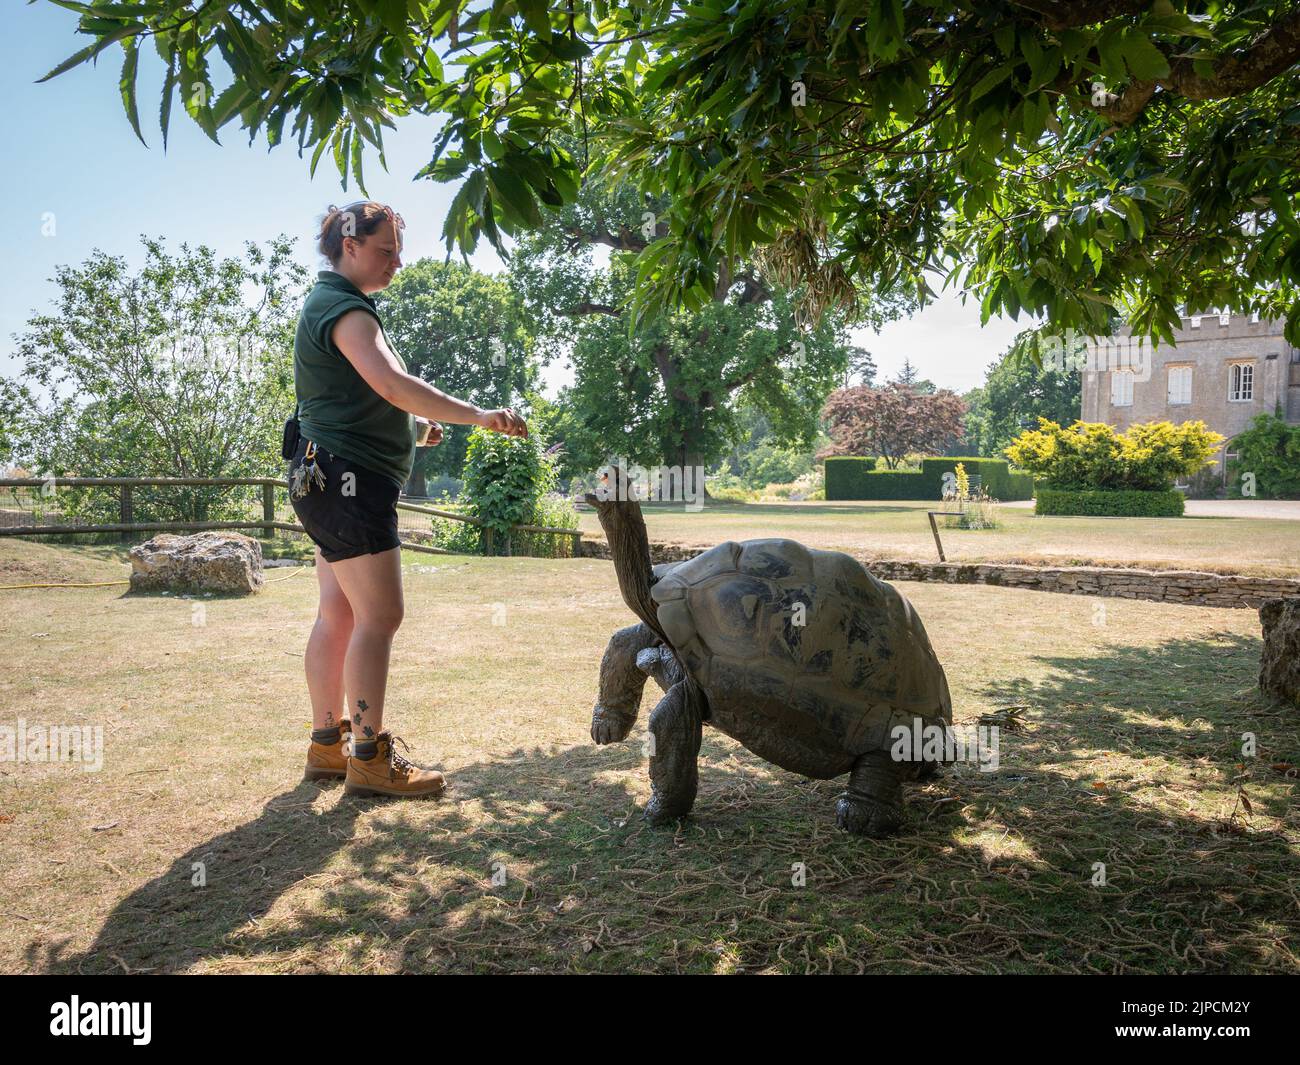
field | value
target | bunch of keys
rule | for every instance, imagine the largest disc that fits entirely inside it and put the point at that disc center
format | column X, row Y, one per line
column 305, row 476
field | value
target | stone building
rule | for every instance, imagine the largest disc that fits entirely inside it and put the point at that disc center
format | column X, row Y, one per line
column 1224, row 369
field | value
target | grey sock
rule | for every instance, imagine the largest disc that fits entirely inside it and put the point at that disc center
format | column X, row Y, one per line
column 364, row 749
column 326, row 736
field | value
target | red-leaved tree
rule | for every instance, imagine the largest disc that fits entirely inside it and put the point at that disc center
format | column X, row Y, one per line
column 891, row 422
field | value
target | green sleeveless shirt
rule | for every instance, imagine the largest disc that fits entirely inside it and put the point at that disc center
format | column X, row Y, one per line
column 337, row 409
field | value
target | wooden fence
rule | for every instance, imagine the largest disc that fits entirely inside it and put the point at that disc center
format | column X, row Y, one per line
column 268, row 523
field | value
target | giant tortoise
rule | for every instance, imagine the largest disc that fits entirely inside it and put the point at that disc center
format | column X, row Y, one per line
column 799, row 654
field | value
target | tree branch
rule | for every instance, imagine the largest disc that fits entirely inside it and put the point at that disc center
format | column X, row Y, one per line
column 669, row 373
column 1063, row 15
column 594, row 308
column 1268, row 55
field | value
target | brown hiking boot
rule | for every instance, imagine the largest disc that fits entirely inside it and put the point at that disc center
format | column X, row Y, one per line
column 329, row 760
column 388, row 773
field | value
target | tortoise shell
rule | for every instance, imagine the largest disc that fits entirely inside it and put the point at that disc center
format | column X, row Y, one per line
column 805, row 657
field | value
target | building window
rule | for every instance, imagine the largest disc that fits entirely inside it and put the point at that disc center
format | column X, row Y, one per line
column 1241, row 382
column 1121, row 388
column 1180, row 385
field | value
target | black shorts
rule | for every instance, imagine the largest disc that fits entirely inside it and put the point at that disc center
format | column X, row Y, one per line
column 350, row 516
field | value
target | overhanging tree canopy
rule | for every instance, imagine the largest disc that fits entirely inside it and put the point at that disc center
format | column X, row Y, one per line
column 1066, row 157
column 669, row 389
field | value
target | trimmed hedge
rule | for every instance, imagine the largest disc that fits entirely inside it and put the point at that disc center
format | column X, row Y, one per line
column 854, row 477
column 1022, row 486
column 894, row 484
column 845, row 476
column 1128, row 503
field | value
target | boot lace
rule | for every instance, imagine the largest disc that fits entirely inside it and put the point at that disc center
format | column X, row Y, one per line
column 396, row 763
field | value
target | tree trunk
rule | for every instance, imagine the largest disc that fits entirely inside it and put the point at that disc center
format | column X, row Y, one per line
column 689, row 455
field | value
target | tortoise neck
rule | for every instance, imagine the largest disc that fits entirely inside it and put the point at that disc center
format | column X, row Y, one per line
column 629, row 547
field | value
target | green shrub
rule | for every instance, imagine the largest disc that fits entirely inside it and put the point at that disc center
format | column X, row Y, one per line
column 728, row 488
column 806, row 486
column 1132, row 503
column 769, row 463
column 1269, row 449
column 458, row 537
column 845, row 476
column 1149, row 456
column 505, row 480
column 737, row 494
column 553, row 511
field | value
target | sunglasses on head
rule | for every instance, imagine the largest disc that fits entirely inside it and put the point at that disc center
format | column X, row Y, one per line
column 393, row 216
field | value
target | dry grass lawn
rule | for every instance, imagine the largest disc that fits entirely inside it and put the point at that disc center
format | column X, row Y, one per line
column 1256, row 546
column 538, row 860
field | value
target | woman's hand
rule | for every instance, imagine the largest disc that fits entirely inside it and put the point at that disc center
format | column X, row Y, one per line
column 434, row 435
column 504, row 420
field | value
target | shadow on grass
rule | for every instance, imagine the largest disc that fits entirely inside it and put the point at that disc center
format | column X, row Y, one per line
column 540, row 861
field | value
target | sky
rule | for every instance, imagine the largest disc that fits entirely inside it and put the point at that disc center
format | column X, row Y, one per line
column 76, row 178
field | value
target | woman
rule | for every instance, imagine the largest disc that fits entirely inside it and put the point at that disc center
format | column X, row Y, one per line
column 356, row 444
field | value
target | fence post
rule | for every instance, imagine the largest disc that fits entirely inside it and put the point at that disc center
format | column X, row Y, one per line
column 268, row 509
column 125, row 512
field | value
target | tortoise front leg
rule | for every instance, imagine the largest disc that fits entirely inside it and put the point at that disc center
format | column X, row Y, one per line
column 873, row 805
column 676, row 729
column 621, row 684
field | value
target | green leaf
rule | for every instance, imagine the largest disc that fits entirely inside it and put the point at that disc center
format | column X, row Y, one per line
column 229, row 103
column 321, row 145
column 1143, row 58
column 196, row 87
column 165, row 109
column 342, row 141
column 514, row 193
column 358, row 145
column 126, row 83
column 990, row 81
column 536, row 17
column 91, row 50
column 393, row 15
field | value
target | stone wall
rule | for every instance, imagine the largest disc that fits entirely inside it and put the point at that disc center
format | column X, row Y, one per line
column 1161, row 586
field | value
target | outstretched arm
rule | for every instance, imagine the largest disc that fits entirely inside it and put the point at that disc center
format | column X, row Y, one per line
column 361, row 340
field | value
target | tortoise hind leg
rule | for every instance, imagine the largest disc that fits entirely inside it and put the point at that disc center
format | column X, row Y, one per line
column 676, row 729
column 873, row 804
